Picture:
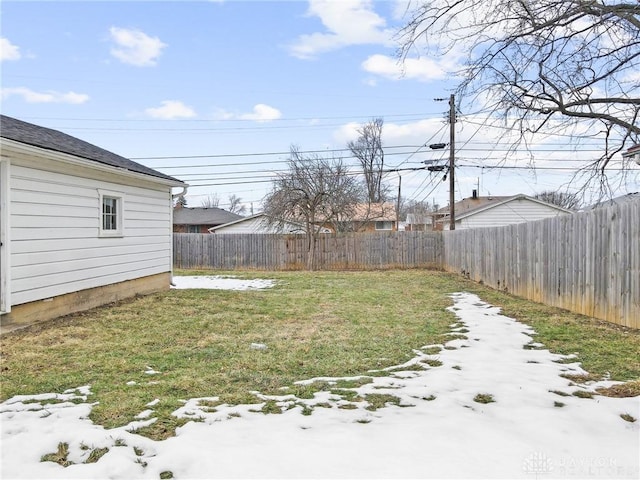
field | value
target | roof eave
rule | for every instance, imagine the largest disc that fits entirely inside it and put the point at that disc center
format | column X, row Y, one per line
column 81, row 161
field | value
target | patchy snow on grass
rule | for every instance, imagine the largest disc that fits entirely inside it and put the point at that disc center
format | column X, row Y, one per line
column 220, row 282
column 435, row 423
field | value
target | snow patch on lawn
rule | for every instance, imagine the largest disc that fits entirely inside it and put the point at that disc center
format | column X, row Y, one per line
column 220, row 282
column 433, row 424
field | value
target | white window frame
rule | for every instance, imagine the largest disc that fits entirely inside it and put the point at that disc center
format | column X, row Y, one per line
column 119, row 224
column 390, row 222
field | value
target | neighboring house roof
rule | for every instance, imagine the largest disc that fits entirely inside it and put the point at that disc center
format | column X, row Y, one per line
column 482, row 208
column 49, row 139
column 483, row 204
column 203, row 216
column 372, row 212
column 471, row 203
column 365, row 212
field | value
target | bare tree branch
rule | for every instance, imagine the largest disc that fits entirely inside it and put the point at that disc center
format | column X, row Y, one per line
column 315, row 191
column 551, row 64
column 369, row 152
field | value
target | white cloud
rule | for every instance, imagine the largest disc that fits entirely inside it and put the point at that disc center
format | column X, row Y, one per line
column 30, row 96
column 346, row 133
column 348, row 22
column 423, row 69
column 402, row 9
column 413, row 133
column 8, row 51
column 135, row 47
column 261, row 113
column 171, row 109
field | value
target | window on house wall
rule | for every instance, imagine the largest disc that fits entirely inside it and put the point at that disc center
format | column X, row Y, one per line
column 111, row 213
column 193, row 228
column 384, row 225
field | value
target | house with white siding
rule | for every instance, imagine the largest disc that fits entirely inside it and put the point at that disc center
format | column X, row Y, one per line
column 79, row 226
column 478, row 212
column 260, row 223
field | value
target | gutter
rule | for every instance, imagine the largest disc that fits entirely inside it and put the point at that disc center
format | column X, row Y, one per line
column 23, row 148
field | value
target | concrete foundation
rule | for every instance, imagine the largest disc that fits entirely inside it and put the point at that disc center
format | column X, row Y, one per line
column 50, row 308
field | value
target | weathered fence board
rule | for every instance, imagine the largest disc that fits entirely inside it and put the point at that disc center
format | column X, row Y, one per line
column 588, row 262
column 289, row 252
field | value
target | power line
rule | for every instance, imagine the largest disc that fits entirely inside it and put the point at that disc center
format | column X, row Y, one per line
column 514, row 167
column 337, row 150
column 244, row 180
column 423, row 145
column 256, row 154
column 225, row 120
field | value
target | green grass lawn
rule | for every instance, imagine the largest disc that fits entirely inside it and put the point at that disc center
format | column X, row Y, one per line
column 314, row 324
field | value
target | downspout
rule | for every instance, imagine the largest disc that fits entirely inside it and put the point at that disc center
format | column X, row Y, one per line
column 5, row 236
column 173, row 198
column 181, row 194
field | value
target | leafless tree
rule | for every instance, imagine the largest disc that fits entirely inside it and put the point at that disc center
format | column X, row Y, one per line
column 570, row 201
column 416, row 207
column 544, row 65
column 211, row 201
column 369, row 152
column 234, row 202
column 315, row 191
column 236, row 206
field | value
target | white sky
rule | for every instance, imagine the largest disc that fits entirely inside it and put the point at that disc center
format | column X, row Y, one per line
column 438, row 431
column 233, row 84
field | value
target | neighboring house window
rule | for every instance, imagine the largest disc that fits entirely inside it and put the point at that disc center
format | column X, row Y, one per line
column 111, row 211
column 193, row 228
column 384, row 225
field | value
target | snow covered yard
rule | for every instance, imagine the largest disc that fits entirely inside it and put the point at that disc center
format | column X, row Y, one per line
column 489, row 403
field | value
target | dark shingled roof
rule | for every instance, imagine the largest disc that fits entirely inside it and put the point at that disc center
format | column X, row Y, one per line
column 203, row 216
column 30, row 134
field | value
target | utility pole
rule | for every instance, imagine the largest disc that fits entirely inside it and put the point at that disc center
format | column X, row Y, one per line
column 452, row 145
column 452, row 159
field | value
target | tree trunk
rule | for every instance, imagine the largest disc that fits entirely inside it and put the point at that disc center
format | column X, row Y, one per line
column 311, row 252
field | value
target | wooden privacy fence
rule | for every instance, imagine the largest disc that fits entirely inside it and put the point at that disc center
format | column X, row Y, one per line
column 587, row 262
column 289, row 252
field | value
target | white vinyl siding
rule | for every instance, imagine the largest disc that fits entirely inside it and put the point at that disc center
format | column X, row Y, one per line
column 258, row 224
column 516, row 211
column 57, row 246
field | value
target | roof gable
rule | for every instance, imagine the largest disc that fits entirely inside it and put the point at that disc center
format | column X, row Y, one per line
column 506, row 200
column 239, row 220
column 472, row 203
column 268, row 223
column 54, row 140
